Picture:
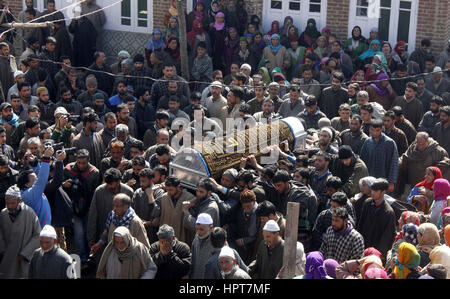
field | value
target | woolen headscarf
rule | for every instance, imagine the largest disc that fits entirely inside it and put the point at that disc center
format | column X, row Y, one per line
column 441, row 189
column 409, row 232
column 447, row 234
column 380, row 90
column 314, row 266
column 429, row 237
column 441, row 255
column 370, row 52
column 372, row 251
column 330, row 267
column 407, row 260
column 372, row 261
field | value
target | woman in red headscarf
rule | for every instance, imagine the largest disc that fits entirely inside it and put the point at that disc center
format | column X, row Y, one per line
column 422, row 193
column 400, row 49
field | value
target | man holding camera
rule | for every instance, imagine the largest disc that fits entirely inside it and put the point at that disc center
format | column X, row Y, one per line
column 32, row 185
column 62, row 129
column 81, row 180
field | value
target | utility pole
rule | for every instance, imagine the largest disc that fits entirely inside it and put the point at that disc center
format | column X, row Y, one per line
column 290, row 242
column 181, row 7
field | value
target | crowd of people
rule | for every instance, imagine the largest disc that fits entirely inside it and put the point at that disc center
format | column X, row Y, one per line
column 85, row 154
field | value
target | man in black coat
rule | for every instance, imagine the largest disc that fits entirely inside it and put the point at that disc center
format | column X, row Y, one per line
column 8, row 177
column 377, row 223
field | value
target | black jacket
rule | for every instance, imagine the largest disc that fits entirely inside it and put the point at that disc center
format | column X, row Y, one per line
column 176, row 264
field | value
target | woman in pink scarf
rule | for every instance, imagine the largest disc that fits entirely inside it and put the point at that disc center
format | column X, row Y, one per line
column 441, row 192
column 217, row 35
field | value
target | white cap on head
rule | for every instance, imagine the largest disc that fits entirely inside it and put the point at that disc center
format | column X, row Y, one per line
column 204, row 218
column 18, row 73
column 271, row 226
column 60, row 110
column 226, row 252
column 246, row 66
column 48, row 231
column 13, row 192
column 217, row 84
column 437, row 69
column 328, row 130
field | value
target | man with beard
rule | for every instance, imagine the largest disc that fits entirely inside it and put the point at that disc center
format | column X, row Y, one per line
column 116, row 160
column 175, row 112
column 312, row 114
column 291, row 191
column 257, row 102
column 267, row 114
column 160, row 88
column 441, row 132
column 216, row 102
column 437, row 84
column 332, row 97
column 294, row 104
column 86, row 98
column 84, row 139
column 394, row 133
column 354, row 136
column 68, row 102
column 423, row 94
column 48, row 54
column 6, row 149
column 411, row 106
column 123, row 117
column 201, row 248
column 162, row 121
column 326, row 136
column 171, row 207
column 119, row 98
column 145, row 113
column 123, row 135
column 8, row 67
column 269, row 258
column 147, row 202
column 319, row 179
column 8, row 176
column 139, row 73
column 108, row 133
column 9, row 119
column 131, row 176
column 204, row 203
column 228, row 193
column 99, row 106
column 102, row 203
column 50, row 261
column 229, row 268
column 274, row 95
column 350, row 168
column 432, row 117
column 341, row 241
column 403, row 124
column 377, row 223
column 19, row 228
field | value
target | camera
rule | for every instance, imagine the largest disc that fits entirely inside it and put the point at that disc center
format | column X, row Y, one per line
column 73, row 118
column 60, row 146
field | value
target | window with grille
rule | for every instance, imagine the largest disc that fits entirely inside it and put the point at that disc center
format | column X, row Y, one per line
column 314, row 6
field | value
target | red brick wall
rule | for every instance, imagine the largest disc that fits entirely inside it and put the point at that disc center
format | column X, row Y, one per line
column 337, row 17
column 15, row 6
column 160, row 7
column 433, row 23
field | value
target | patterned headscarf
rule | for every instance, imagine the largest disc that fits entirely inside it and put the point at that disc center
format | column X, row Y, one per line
column 409, row 231
column 408, row 259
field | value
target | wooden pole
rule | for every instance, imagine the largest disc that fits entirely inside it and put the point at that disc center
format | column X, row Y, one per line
column 290, row 242
column 28, row 25
column 181, row 7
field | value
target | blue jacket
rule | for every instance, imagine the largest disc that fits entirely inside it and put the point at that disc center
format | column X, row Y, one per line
column 35, row 198
column 381, row 158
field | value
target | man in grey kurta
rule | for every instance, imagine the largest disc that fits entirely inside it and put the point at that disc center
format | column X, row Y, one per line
column 50, row 261
column 19, row 236
column 201, row 248
column 102, row 203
